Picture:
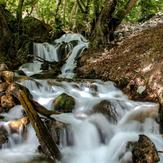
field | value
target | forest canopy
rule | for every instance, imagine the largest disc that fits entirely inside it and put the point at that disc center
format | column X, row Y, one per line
column 95, row 19
column 77, row 14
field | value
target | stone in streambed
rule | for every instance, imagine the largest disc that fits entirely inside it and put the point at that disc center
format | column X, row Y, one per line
column 106, row 109
column 7, row 101
column 3, row 87
column 58, row 130
column 3, row 136
column 64, row 103
column 3, row 67
column 7, row 76
column 1, row 109
column 144, row 150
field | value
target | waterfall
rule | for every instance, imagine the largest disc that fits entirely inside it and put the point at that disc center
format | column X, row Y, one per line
column 46, row 51
column 90, row 137
column 101, row 123
column 74, row 45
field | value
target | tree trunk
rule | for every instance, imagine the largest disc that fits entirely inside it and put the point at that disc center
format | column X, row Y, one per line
column 3, row 23
column 121, row 14
column 19, row 11
column 100, row 34
column 48, row 145
column 106, row 24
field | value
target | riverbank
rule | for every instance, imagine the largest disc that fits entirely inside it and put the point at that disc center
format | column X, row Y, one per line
column 135, row 64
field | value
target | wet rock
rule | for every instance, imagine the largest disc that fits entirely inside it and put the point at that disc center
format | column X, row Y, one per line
column 11, row 89
column 41, row 158
column 15, row 126
column 107, row 109
column 3, row 87
column 51, row 74
column 3, row 67
column 64, row 103
column 7, row 76
column 144, row 151
column 1, row 109
column 61, row 133
column 7, row 101
column 3, row 136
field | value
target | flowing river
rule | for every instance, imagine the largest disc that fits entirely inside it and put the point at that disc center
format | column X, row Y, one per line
column 90, row 137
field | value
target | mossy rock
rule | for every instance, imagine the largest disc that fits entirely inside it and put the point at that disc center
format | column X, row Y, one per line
column 37, row 30
column 25, row 49
column 64, row 103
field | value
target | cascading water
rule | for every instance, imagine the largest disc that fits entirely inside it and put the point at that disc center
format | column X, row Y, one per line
column 51, row 52
column 90, row 137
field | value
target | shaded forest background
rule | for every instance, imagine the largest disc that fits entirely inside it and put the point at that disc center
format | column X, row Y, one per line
column 96, row 19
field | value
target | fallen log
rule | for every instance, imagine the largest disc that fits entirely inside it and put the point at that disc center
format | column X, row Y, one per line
column 42, row 110
column 48, row 145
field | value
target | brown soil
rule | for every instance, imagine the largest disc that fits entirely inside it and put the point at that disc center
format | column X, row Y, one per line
column 136, row 65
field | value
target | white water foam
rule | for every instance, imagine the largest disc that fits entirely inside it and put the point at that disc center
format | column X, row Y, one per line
column 50, row 52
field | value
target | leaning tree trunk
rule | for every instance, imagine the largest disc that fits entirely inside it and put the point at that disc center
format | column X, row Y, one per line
column 47, row 143
column 107, row 24
column 100, row 33
column 121, row 14
column 19, row 10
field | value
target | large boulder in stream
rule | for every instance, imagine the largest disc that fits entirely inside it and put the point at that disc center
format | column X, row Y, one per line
column 63, row 103
column 144, row 151
column 104, row 107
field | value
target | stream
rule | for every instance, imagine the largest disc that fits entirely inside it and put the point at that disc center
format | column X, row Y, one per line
column 91, row 137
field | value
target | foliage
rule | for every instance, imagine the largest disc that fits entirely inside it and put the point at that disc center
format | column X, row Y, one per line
column 79, row 15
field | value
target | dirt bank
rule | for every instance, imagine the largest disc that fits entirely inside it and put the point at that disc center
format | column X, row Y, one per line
column 135, row 65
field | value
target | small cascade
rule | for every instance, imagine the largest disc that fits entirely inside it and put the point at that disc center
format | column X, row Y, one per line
column 68, row 67
column 46, row 51
column 71, row 45
column 97, row 127
column 90, row 136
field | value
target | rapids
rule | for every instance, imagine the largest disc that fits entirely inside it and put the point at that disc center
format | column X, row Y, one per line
column 94, row 138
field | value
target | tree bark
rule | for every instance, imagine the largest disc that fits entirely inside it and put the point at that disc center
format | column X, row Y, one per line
column 106, row 24
column 47, row 143
column 101, row 34
column 19, row 11
column 3, row 23
column 121, row 14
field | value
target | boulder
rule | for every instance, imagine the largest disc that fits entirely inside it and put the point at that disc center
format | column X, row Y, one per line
column 3, row 136
column 7, row 76
column 106, row 109
column 7, row 101
column 144, row 151
column 3, row 87
column 63, row 103
column 61, row 133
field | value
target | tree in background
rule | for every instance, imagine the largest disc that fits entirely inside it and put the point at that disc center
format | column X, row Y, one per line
column 97, row 19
